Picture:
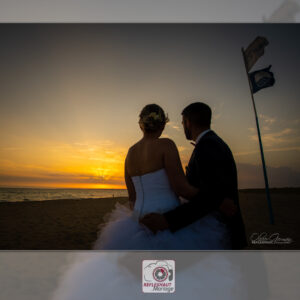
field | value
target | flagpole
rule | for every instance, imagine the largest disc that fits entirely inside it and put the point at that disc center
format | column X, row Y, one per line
column 261, row 147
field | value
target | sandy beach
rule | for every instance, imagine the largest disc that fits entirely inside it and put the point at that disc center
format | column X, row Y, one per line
column 54, row 224
column 73, row 224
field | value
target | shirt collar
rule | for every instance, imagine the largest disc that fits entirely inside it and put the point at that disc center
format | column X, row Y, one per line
column 201, row 135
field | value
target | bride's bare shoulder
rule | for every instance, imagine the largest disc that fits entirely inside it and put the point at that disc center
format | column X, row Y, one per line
column 168, row 143
column 133, row 148
column 165, row 144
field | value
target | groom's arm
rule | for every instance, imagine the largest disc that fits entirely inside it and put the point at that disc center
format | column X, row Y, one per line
column 210, row 165
column 190, row 212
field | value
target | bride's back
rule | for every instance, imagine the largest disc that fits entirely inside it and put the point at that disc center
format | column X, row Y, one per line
column 146, row 156
column 145, row 166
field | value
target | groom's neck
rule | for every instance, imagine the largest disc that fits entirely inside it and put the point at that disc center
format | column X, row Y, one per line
column 198, row 131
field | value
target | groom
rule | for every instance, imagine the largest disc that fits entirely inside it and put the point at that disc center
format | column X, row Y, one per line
column 212, row 169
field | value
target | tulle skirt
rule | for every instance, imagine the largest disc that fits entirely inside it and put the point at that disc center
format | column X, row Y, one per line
column 114, row 275
column 122, row 231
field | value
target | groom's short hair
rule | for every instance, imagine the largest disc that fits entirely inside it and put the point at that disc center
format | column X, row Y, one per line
column 198, row 113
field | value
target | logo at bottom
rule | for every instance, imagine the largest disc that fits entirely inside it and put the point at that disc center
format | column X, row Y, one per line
column 158, row 276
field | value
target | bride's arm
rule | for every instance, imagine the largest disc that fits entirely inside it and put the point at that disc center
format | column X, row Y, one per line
column 130, row 187
column 177, row 178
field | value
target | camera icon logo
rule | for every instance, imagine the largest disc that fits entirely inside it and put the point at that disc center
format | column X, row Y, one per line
column 158, row 276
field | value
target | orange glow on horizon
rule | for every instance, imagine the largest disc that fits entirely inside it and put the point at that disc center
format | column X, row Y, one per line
column 65, row 186
column 41, row 164
column 45, row 164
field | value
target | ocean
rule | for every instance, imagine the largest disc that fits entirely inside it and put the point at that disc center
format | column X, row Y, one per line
column 32, row 194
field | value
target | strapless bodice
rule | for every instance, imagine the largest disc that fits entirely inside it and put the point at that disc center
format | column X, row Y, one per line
column 153, row 193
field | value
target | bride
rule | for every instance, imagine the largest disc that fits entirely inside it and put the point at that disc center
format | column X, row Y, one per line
column 156, row 182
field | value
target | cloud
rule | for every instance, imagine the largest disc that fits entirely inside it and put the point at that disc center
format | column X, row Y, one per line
column 251, row 176
column 100, row 143
column 84, row 164
column 174, row 126
column 11, row 148
column 296, row 148
column 267, row 119
column 59, row 178
column 216, row 116
column 217, row 111
column 287, row 135
column 266, row 123
column 181, row 148
column 266, row 128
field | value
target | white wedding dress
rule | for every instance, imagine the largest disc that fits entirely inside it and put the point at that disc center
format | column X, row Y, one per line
column 122, row 231
column 118, row 274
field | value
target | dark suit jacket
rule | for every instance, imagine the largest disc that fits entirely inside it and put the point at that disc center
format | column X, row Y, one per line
column 212, row 169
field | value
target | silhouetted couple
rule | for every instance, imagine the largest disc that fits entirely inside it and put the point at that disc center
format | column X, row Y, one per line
column 171, row 210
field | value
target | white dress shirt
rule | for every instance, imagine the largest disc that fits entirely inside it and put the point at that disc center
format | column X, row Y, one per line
column 201, row 135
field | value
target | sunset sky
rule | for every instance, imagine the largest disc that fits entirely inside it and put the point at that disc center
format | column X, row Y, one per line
column 71, row 95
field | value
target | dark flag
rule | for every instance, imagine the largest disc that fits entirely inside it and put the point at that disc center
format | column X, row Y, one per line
column 254, row 51
column 258, row 80
column 261, row 79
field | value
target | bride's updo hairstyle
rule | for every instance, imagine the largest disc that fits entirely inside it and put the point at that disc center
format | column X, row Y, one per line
column 152, row 118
